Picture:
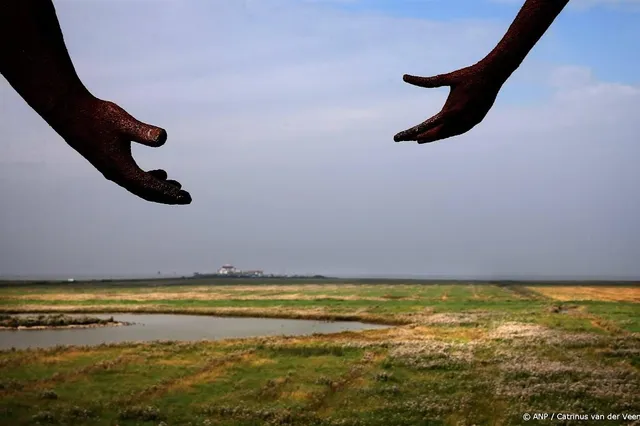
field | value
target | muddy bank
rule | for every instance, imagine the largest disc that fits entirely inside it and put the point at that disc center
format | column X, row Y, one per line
column 64, row 327
column 55, row 321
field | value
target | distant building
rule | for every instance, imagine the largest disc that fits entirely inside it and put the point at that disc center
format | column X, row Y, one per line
column 231, row 270
column 227, row 270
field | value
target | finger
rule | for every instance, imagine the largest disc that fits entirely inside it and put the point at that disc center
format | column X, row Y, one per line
column 174, row 183
column 158, row 174
column 427, row 82
column 151, row 189
column 412, row 133
column 143, row 133
column 434, row 134
column 162, row 175
column 148, row 186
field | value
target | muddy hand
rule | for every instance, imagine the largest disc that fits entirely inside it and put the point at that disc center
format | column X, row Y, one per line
column 473, row 92
column 102, row 132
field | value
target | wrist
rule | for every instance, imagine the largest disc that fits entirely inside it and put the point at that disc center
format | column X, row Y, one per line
column 487, row 73
column 497, row 67
column 68, row 106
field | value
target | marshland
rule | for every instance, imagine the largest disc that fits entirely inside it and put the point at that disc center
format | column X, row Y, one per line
column 449, row 354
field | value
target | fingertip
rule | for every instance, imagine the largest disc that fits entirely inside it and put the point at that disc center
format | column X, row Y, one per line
column 401, row 137
column 169, row 194
column 159, row 136
column 408, row 78
column 166, row 191
column 183, row 197
column 148, row 135
column 426, row 82
column 155, row 137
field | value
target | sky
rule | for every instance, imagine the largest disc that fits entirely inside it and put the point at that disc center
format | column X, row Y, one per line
column 281, row 116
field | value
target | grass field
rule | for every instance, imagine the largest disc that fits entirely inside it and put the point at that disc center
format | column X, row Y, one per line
column 458, row 354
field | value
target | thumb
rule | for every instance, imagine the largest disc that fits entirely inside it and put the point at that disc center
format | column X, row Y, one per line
column 133, row 129
column 140, row 132
column 428, row 82
column 145, row 134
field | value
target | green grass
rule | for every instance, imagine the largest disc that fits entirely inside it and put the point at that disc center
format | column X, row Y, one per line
column 461, row 354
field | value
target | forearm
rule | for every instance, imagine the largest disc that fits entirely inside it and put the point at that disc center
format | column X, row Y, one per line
column 533, row 20
column 33, row 55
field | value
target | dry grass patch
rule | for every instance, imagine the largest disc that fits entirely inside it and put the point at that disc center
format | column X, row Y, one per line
column 209, row 373
column 515, row 330
column 400, row 334
column 423, row 332
column 28, row 308
column 532, row 336
column 317, row 313
column 474, row 293
column 174, row 362
column 525, row 376
column 203, row 377
column 235, row 292
column 262, row 361
column 290, row 288
column 433, row 354
column 452, row 318
column 297, row 395
column 460, row 333
column 189, row 295
column 601, row 293
column 68, row 355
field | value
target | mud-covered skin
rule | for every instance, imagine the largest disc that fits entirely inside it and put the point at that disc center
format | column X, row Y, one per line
column 35, row 61
column 474, row 89
column 91, row 119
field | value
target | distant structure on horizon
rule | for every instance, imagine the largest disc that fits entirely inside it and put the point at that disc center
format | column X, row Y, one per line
column 231, row 270
column 227, row 270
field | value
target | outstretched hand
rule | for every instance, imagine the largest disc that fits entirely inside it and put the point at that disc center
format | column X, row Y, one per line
column 473, row 92
column 102, row 133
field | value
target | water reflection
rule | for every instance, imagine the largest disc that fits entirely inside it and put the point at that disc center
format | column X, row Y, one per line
column 148, row 327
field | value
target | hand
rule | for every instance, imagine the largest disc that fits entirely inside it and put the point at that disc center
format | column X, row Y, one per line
column 473, row 92
column 102, row 133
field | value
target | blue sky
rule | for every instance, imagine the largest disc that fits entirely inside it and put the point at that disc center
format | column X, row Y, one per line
column 281, row 116
column 601, row 35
